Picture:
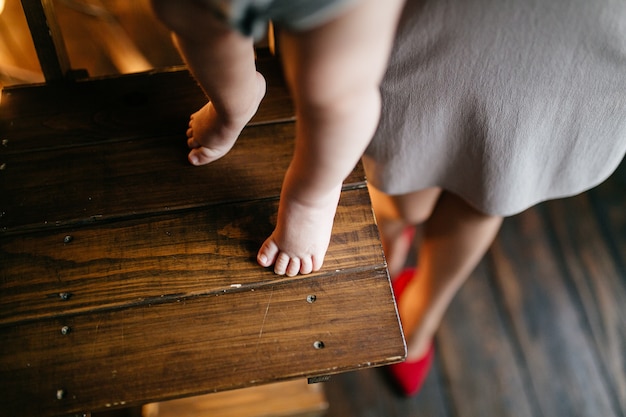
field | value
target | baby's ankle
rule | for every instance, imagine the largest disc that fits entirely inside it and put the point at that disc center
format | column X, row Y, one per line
column 235, row 118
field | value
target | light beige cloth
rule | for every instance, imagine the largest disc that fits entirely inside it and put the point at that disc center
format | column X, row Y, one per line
column 504, row 102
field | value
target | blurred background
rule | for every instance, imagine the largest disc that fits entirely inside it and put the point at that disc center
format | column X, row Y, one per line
column 103, row 37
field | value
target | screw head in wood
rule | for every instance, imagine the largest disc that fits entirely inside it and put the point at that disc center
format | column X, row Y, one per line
column 60, row 394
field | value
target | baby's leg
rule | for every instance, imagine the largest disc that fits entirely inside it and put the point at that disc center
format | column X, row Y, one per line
column 222, row 61
column 334, row 72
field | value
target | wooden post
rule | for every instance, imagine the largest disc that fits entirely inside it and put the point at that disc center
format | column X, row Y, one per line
column 47, row 38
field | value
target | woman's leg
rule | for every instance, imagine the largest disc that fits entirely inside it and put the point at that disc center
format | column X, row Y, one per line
column 455, row 238
column 395, row 215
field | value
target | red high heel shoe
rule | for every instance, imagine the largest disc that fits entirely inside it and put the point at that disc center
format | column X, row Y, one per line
column 409, row 376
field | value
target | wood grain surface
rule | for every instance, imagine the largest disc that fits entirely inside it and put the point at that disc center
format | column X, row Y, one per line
column 282, row 399
column 129, row 276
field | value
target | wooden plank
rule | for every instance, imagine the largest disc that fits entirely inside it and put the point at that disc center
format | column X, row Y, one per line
column 598, row 283
column 80, row 185
column 484, row 375
column 553, row 341
column 283, row 399
column 198, row 344
column 155, row 260
column 118, row 108
column 608, row 201
column 105, row 181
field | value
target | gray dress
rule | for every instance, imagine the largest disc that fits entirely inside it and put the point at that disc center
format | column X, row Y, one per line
column 505, row 103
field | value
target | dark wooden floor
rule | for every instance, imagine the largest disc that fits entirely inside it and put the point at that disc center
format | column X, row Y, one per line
column 538, row 330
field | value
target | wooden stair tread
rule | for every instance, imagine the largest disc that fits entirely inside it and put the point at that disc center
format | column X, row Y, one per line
column 191, row 346
column 129, row 276
column 136, row 177
column 283, row 399
column 93, row 173
column 196, row 253
column 62, row 114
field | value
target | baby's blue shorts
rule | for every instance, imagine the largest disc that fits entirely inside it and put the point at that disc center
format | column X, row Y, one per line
column 250, row 17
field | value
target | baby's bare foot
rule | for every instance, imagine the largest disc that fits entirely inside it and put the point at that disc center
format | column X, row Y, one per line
column 301, row 238
column 209, row 137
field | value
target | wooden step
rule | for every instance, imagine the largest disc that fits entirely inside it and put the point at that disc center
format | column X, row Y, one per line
column 282, row 399
column 129, row 276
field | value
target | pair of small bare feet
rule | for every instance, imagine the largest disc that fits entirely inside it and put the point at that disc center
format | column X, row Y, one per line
column 302, row 234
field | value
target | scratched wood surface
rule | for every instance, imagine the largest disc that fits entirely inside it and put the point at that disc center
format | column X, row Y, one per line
column 128, row 276
column 187, row 345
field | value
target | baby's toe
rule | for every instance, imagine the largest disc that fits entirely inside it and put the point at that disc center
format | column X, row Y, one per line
column 306, row 265
column 203, row 155
column 196, row 157
column 293, row 268
column 317, row 261
column 267, row 254
column 192, row 143
column 282, row 262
